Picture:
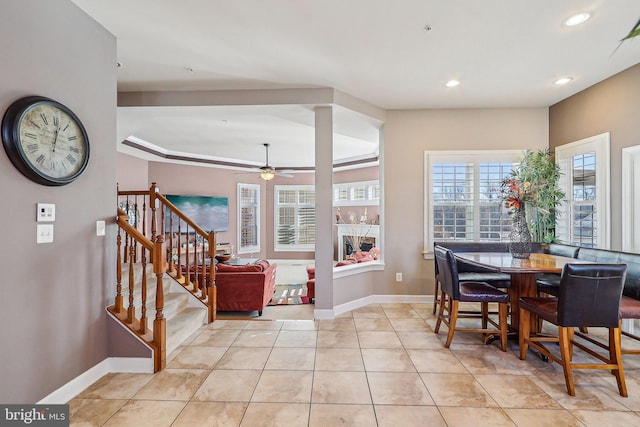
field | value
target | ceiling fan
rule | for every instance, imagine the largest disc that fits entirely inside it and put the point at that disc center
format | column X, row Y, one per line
column 268, row 172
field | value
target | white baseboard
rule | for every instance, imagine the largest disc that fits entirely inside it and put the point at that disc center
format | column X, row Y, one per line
column 371, row 299
column 84, row 380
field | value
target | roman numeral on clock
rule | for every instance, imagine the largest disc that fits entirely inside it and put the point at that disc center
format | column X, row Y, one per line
column 32, row 148
column 71, row 159
column 40, row 159
column 44, row 118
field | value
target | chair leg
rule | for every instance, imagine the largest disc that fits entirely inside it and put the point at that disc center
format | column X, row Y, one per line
column 523, row 333
column 502, row 315
column 565, row 353
column 440, row 312
column 485, row 314
column 435, row 296
column 570, row 332
column 616, row 357
column 453, row 311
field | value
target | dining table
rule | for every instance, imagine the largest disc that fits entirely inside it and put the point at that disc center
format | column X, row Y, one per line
column 523, row 273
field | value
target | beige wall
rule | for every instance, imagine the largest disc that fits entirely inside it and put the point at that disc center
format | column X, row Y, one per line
column 133, row 173
column 53, row 295
column 408, row 133
column 612, row 105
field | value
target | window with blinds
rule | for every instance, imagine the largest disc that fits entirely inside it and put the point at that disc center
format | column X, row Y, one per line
column 248, row 218
column 463, row 200
column 360, row 193
column 295, row 217
column 584, row 170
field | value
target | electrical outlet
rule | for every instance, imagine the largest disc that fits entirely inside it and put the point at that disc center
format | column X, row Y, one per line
column 398, row 277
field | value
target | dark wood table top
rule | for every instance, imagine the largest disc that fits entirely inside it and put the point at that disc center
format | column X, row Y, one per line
column 505, row 263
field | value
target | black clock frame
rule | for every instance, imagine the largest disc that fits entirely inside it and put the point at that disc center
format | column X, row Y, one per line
column 11, row 140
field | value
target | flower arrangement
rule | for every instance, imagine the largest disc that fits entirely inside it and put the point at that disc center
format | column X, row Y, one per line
column 516, row 192
column 359, row 228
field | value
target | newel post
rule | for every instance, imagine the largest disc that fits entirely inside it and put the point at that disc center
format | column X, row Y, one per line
column 152, row 202
column 160, row 323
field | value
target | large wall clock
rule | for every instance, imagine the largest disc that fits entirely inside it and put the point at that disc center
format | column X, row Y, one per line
column 45, row 140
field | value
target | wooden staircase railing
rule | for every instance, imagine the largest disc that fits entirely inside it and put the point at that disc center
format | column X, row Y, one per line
column 139, row 246
column 190, row 249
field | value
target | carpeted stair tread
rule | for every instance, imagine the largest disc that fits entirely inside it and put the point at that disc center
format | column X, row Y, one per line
column 183, row 325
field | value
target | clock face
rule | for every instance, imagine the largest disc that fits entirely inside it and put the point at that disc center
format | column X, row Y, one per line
column 45, row 140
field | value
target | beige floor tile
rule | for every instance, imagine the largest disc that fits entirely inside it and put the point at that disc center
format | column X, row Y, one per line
column 284, row 386
column 486, row 360
column 375, row 339
column 420, row 340
column 145, row 413
column 264, row 325
column 398, row 388
column 396, row 416
column 228, row 386
column 339, row 359
column 291, row 359
column 297, row 339
column 219, row 414
column 299, row 325
column 342, row 415
column 340, row 387
column 228, row 324
column 344, row 324
column 442, row 361
column 173, row 384
column 481, row 417
column 608, row 418
column 372, row 311
column 216, row 337
column 588, row 396
column 412, row 325
column 400, row 312
column 256, row 338
column 93, row 412
column 456, row 390
column 375, row 324
column 338, row 339
column 516, row 391
column 387, row 360
column 244, row 358
column 609, row 386
column 197, row 358
column 542, row 417
column 276, row 415
column 116, row 386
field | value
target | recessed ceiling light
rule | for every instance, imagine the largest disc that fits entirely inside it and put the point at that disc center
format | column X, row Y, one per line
column 577, row 19
column 453, row 83
column 562, row 81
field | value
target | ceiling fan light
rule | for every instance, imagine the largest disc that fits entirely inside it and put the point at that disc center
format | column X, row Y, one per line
column 267, row 175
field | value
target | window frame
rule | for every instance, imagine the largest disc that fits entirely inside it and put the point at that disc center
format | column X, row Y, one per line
column 256, row 188
column 600, row 144
column 370, row 188
column 459, row 156
column 296, row 247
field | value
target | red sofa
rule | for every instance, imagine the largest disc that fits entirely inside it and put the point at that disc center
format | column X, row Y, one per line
column 246, row 287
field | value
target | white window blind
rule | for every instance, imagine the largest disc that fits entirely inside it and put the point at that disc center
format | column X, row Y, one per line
column 583, row 218
column 248, row 218
column 295, row 218
column 462, row 200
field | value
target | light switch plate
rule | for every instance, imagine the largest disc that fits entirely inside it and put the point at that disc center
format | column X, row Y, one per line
column 44, row 233
column 46, row 212
column 100, row 228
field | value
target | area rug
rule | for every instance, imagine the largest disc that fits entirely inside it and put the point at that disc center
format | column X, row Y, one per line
column 290, row 295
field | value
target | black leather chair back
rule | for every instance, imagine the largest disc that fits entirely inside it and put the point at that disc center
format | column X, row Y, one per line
column 448, row 271
column 563, row 250
column 590, row 294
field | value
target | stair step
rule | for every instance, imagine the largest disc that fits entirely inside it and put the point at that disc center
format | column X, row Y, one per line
column 183, row 325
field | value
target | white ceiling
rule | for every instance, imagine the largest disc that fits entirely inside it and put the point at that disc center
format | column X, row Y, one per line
column 506, row 54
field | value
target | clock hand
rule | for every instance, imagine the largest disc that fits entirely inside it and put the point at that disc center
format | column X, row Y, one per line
column 55, row 139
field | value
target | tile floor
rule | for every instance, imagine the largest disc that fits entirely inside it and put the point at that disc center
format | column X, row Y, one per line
column 380, row 365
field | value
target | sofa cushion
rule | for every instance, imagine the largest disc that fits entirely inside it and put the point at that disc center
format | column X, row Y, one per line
column 225, row 268
column 347, row 261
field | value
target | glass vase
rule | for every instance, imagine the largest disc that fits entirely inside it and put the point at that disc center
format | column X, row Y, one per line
column 520, row 236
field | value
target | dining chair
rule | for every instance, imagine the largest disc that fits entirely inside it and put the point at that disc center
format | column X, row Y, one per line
column 454, row 292
column 589, row 295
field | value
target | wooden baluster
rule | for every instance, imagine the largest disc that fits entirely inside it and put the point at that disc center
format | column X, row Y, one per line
column 152, row 202
column 195, row 263
column 179, row 276
column 131, row 310
column 172, row 263
column 202, row 282
column 144, row 216
column 187, row 277
column 143, row 293
column 118, row 302
column 211, row 290
column 160, row 323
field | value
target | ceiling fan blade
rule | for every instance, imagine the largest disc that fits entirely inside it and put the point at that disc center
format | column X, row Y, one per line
column 284, row 175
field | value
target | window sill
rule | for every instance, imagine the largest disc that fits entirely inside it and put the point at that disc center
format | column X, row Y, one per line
column 363, row 267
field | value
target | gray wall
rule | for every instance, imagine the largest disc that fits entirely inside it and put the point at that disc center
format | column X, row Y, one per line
column 612, row 105
column 53, row 325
